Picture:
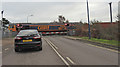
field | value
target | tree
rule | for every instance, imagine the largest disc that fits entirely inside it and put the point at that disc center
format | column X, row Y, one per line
column 67, row 21
column 118, row 17
column 94, row 21
column 61, row 18
column 81, row 21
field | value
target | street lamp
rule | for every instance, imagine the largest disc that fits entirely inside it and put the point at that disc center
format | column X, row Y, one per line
column 110, row 11
column 28, row 16
column 89, row 33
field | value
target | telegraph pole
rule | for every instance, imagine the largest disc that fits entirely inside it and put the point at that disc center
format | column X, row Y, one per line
column 2, row 22
column 89, row 33
column 110, row 11
column 28, row 16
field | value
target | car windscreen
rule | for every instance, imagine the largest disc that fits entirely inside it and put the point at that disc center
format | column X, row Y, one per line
column 28, row 33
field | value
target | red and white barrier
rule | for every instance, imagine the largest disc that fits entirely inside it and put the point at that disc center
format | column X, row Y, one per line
column 54, row 32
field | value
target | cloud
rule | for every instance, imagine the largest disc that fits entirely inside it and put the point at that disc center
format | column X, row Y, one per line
column 49, row 11
column 59, row 0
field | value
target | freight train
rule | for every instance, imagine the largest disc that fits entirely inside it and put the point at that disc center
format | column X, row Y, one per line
column 44, row 28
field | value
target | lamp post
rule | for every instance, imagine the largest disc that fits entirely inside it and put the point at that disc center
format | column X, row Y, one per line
column 28, row 16
column 89, row 33
column 110, row 11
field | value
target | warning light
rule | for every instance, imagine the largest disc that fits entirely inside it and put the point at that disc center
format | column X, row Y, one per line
column 18, row 25
column 66, row 24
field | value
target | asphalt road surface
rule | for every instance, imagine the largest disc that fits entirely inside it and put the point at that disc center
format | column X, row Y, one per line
column 58, row 50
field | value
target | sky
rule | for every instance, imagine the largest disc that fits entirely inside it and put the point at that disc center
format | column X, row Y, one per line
column 16, row 11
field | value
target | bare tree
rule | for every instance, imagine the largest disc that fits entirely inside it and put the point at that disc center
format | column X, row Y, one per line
column 94, row 21
column 118, row 17
column 67, row 21
column 61, row 18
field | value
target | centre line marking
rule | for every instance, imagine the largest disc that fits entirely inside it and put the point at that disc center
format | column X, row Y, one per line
column 57, row 53
column 70, row 60
column 53, row 45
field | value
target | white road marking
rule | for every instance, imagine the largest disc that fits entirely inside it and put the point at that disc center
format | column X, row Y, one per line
column 72, row 38
column 70, row 60
column 58, row 53
column 53, row 45
column 98, row 46
column 105, row 48
column 0, row 52
column 6, row 48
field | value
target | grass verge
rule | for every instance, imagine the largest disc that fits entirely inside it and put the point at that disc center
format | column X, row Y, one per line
column 110, row 42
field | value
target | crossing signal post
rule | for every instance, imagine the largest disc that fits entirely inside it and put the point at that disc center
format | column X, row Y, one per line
column 66, row 24
column 19, row 27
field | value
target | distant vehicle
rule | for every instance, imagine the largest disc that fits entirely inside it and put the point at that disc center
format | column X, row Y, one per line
column 27, row 39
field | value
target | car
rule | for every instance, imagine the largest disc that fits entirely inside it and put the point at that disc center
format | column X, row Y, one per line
column 28, row 39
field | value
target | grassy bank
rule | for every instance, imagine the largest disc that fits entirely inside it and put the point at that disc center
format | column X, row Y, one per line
column 111, row 42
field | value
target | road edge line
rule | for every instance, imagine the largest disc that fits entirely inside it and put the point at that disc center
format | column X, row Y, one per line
column 105, row 48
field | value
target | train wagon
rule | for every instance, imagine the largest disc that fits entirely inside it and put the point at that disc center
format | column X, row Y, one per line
column 44, row 28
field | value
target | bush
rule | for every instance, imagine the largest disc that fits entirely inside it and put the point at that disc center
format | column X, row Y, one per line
column 100, row 31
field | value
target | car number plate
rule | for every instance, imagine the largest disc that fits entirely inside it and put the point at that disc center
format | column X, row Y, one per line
column 27, row 40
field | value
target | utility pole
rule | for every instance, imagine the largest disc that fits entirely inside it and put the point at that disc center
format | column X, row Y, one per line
column 89, row 33
column 27, row 19
column 28, row 16
column 110, row 11
column 2, row 18
column 2, row 22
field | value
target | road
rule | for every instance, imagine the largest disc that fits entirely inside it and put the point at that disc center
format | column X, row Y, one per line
column 58, row 50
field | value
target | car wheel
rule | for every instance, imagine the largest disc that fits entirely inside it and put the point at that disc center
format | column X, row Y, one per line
column 41, row 48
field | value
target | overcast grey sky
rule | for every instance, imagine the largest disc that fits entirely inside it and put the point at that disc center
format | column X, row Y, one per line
column 48, row 11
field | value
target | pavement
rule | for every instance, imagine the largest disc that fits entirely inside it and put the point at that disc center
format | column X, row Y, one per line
column 58, row 50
